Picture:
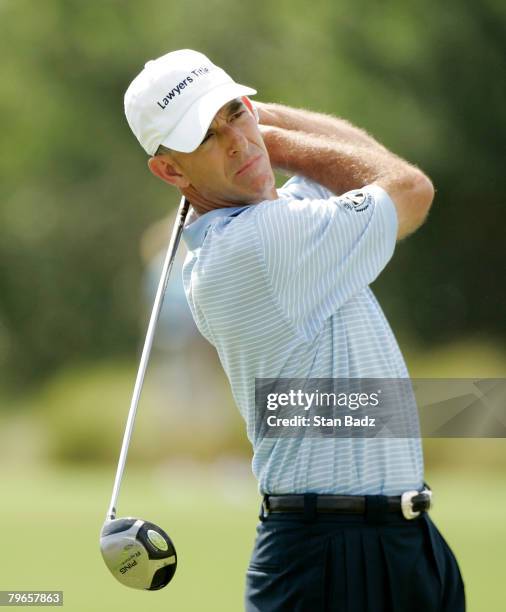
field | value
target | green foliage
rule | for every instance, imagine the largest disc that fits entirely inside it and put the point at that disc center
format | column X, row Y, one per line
column 75, row 195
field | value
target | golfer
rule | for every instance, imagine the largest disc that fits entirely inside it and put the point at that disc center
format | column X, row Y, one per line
column 278, row 281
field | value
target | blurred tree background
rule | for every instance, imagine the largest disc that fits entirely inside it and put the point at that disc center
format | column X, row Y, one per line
column 427, row 79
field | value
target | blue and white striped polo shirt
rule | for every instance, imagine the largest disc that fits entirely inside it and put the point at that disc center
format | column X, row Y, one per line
column 281, row 289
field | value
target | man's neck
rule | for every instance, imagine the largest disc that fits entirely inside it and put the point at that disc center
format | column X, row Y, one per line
column 202, row 205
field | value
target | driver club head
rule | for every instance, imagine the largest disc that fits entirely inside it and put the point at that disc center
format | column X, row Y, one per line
column 138, row 553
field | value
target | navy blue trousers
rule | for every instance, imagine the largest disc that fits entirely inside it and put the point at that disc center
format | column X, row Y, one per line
column 352, row 563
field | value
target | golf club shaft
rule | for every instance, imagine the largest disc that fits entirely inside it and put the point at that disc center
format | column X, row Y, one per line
column 157, row 306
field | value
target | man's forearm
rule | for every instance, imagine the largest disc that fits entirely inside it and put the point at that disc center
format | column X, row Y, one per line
column 323, row 148
column 338, row 164
column 342, row 157
column 319, row 124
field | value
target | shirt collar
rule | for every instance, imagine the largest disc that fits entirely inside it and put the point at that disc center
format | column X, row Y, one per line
column 195, row 232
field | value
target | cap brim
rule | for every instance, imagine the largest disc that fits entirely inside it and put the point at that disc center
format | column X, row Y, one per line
column 191, row 129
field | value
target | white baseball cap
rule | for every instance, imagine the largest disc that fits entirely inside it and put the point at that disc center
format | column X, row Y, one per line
column 173, row 100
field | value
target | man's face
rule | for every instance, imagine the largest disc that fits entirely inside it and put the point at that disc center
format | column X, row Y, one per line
column 231, row 166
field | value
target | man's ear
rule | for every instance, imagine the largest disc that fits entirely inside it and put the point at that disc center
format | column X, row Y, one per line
column 167, row 171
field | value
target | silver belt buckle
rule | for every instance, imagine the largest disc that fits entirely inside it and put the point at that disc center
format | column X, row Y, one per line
column 407, row 503
column 264, row 509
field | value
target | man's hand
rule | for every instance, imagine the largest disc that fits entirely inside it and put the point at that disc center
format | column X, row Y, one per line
column 271, row 142
column 342, row 157
column 266, row 116
column 318, row 124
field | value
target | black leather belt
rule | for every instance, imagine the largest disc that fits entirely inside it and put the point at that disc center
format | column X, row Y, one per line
column 410, row 503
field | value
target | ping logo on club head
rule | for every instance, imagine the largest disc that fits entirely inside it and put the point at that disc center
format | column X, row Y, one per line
column 129, row 563
column 128, row 566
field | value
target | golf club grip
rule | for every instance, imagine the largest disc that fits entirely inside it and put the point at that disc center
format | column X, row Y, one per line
column 146, row 351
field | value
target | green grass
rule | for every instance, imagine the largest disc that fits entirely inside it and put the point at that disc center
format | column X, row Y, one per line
column 51, row 526
column 51, row 521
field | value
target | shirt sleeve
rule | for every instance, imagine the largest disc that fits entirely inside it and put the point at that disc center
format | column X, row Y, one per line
column 319, row 253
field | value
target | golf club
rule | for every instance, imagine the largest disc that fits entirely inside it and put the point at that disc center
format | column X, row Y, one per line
column 138, row 553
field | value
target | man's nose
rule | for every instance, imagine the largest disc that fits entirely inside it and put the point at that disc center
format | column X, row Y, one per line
column 236, row 141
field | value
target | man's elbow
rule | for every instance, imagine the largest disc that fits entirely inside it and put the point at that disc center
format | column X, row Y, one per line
column 412, row 193
column 419, row 198
column 423, row 193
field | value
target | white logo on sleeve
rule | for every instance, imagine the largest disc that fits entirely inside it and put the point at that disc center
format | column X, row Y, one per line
column 356, row 200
